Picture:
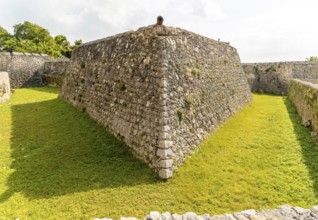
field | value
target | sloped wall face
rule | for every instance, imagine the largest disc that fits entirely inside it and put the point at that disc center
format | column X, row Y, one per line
column 54, row 71
column 205, row 86
column 161, row 89
column 4, row 87
column 117, row 81
column 24, row 70
column 274, row 78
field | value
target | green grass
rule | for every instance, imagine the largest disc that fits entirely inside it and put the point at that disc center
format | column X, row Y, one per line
column 57, row 163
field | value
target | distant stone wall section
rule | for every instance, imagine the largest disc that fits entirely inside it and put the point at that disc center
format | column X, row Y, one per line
column 284, row 212
column 304, row 95
column 54, row 71
column 24, row 69
column 5, row 89
column 161, row 89
column 274, row 78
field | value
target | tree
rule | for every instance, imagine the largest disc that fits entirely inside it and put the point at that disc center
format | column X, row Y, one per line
column 312, row 58
column 6, row 40
column 33, row 32
column 77, row 42
column 35, row 39
column 64, row 44
column 32, row 38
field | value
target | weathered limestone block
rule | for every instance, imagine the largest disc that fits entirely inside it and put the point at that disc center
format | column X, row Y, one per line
column 304, row 96
column 155, row 215
column 285, row 212
column 161, row 89
column 275, row 77
column 5, row 89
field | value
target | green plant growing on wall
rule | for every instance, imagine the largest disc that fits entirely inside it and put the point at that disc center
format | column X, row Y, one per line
column 180, row 114
column 188, row 64
column 204, row 94
column 187, row 73
column 312, row 58
column 82, row 65
column 255, row 68
column 188, row 102
column 270, row 69
column 122, row 86
column 196, row 72
column 198, row 64
column 193, row 71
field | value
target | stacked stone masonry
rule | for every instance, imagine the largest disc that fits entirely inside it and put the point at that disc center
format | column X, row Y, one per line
column 160, row 89
column 304, row 96
column 54, row 71
column 5, row 89
column 274, row 78
column 24, row 69
column 284, row 212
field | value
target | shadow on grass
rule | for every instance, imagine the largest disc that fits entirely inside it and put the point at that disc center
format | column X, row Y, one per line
column 308, row 145
column 46, row 89
column 58, row 150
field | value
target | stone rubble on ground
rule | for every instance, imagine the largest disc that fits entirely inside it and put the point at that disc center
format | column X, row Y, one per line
column 282, row 212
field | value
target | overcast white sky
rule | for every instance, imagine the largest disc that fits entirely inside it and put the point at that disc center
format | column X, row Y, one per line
column 261, row 30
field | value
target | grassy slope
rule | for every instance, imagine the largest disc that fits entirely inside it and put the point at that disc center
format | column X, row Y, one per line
column 55, row 162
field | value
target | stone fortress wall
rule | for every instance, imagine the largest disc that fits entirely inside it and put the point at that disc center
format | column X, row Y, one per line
column 274, row 78
column 160, row 89
column 54, row 71
column 24, row 69
column 304, row 96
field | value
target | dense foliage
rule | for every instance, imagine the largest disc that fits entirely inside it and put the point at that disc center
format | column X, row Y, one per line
column 32, row 38
column 312, row 58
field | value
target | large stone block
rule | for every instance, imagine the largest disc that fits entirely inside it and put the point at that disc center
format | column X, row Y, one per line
column 161, row 89
column 5, row 90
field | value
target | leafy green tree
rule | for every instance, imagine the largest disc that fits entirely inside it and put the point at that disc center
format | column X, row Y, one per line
column 62, row 40
column 64, row 44
column 78, row 42
column 6, row 39
column 312, row 58
column 32, row 38
column 33, row 32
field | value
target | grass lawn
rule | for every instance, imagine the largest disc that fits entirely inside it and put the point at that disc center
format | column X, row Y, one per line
column 57, row 163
